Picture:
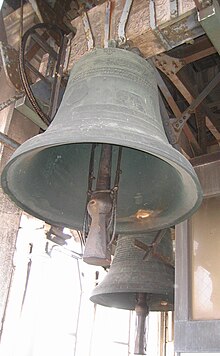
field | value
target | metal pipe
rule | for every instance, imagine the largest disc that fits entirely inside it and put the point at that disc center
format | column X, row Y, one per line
column 8, row 141
column 58, row 77
column 142, row 311
column 107, row 23
column 123, row 20
column 44, row 45
column 104, row 174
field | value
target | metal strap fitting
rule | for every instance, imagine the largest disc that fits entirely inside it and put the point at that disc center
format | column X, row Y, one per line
column 107, row 24
column 180, row 122
column 88, row 30
column 123, row 21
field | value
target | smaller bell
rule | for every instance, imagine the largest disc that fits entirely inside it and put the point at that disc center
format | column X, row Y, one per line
column 141, row 278
column 129, row 274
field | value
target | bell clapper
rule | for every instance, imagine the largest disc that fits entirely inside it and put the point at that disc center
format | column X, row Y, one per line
column 100, row 210
column 142, row 311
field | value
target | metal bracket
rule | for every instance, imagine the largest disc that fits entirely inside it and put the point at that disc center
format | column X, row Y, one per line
column 168, row 65
column 88, row 30
column 151, row 249
column 170, row 132
column 180, row 122
column 69, row 39
column 173, row 8
column 171, row 66
column 123, row 21
column 107, row 23
column 56, row 235
column 176, row 31
column 8, row 141
column 154, row 27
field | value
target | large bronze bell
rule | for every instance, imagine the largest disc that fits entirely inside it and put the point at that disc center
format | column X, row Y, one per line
column 139, row 280
column 111, row 98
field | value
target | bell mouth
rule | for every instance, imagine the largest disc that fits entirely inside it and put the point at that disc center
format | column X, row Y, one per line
column 128, row 301
column 51, row 183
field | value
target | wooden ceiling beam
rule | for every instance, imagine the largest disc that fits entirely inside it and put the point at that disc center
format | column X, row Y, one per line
column 196, row 149
column 12, row 24
column 152, row 29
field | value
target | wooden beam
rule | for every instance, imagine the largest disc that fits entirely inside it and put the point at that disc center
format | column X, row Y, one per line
column 12, row 24
column 152, row 29
column 196, row 149
column 190, row 93
column 172, row 68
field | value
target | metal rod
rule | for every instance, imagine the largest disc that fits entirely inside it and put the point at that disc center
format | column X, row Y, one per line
column 180, row 122
column 174, row 107
column 88, row 30
column 36, row 72
column 8, row 141
column 123, row 20
column 58, row 77
column 99, row 208
column 107, row 23
column 86, row 220
column 142, row 311
column 46, row 119
column 155, row 243
column 44, row 45
column 104, row 174
column 118, row 169
column 34, row 47
column 167, row 125
column 91, row 169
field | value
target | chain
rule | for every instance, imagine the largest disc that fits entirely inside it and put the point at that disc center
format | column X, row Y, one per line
column 12, row 100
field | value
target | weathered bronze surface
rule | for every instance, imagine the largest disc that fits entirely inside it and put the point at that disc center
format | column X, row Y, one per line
column 111, row 98
column 130, row 274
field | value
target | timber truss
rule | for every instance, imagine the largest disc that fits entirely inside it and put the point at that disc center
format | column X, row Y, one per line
column 178, row 37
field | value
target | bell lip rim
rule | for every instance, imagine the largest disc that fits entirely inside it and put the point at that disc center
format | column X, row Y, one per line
column 168, row 307
column 112, row 141
column 127, row 143
column 120, row 231
column 187, row 170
